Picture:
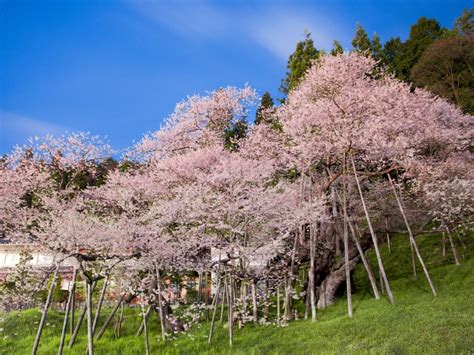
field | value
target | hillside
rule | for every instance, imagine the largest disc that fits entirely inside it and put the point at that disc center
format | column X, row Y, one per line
column 418, row 323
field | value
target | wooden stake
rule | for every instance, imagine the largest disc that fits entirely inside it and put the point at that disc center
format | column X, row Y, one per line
column 79, row 321
column 224, row 298
column 366, row 263
column 311, row 285
column 346, row 241
column 68, row 310
column 254, row 301
column 90, row 334
column 160, row 305
column 412, row 238
column 214, row 309
column 99, row 304
column 109, row 318
column 45, row 311
column 142, row 324
column 453, row 247
column 73, row 302
column 278, row 304
column 145, row 328
column 231, row 311
column 374, row 237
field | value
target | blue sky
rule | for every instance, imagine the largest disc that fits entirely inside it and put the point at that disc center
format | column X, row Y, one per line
column 117, row 67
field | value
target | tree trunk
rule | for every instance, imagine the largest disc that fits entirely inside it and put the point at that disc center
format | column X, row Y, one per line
column 337, row 245
column 374, row 237
column 307, row 301
column 331, row 283
column 68, row 310
column 45, row 311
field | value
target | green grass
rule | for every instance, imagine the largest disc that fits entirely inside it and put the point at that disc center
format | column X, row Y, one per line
column 418, row 323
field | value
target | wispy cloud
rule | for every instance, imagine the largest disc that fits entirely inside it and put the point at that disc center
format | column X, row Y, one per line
column 278, row 30
column 187, row 18
column 13, row 125
column 274, row 28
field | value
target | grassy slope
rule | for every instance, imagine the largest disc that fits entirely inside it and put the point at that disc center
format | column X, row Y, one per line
column 419, row 323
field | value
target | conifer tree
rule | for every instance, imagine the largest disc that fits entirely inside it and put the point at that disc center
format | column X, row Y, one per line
column 298, row 63
column 265, row 103
column 337, row 48
column 376, row 47
column 361, row 42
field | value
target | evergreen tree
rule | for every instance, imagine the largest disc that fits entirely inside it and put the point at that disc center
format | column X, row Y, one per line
column 361, row 42
column 265, row 103
column 298, row 63
column 337, row 48
column 234, row 134
column 393, row 51
column 376, row 47
column 422, row 34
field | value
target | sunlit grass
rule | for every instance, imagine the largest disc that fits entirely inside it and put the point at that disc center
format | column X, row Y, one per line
column 418, row 323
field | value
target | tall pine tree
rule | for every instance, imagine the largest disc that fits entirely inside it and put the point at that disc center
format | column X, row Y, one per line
column 265, row 103
column 376, row 47
column 337, row 48
column 361, row 42
column 298, row 63
column 422, row 34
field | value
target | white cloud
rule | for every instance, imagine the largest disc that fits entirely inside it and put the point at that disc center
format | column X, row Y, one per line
column 21, row 126
column 188, row 18
column 277, row 28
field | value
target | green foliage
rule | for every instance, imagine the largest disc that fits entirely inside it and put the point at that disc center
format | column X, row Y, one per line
column 422, row 34
column 464, row 25
column 393, row 51
column 337, row 48
column 361, row 42
column 58, row 296
column 298, row 63
column 234, row 134
column 376, row 47
column 265, row 103
column 445, row 69
column 19, row 286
